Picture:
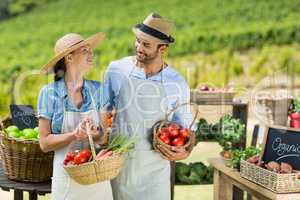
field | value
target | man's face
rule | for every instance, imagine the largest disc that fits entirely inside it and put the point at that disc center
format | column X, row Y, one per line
column 146, row 50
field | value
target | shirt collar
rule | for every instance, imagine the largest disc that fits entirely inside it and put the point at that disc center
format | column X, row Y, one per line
column 139, row 73
column 61, row 88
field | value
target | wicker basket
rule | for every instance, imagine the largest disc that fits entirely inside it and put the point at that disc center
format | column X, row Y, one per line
column 24, row 160
column 278, row 183
column 96, row 170
column 165, row 123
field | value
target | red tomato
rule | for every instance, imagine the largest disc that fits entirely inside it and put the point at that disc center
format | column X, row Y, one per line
column 80, row 158
column 174, row 133
column 66, row 161
column 70, row 156
column 165, row 139
column 184, row 132
column 86, row 153
column 177, row 142
column 164, row 132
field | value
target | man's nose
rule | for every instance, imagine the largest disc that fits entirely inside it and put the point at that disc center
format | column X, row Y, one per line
column 139, row 47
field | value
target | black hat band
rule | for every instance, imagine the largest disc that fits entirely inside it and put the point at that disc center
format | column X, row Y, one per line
column 155, row 33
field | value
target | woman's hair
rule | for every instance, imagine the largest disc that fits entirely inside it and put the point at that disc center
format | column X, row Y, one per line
column 59, row 69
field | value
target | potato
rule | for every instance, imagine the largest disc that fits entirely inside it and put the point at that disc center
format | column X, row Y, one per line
column 286, row 168
column 253, row 159
column 273, row 166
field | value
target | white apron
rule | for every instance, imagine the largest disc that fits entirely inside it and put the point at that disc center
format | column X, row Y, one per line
column 65, row 188
column 145, row 175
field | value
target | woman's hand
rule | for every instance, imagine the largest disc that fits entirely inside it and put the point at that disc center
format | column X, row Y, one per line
column 89, row 123
column 80, row 132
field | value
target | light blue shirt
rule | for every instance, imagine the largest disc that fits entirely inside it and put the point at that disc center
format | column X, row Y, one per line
column 176, row 88
column 54, row 97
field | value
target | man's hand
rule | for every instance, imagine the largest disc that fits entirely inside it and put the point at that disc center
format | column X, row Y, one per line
column 176, row 153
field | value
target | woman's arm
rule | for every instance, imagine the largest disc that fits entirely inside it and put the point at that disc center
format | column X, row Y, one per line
column 51, row 142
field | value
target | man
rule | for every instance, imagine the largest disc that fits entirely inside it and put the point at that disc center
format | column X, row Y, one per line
column 143, row 88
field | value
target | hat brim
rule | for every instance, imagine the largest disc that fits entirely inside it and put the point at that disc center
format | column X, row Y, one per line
column 93, row 41
column 147, row 36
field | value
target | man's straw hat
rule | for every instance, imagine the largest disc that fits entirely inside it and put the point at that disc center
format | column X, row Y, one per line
column 155, row 28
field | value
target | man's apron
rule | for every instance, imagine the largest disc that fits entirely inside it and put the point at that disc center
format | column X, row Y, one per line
column 145, row 175
column 63, row 187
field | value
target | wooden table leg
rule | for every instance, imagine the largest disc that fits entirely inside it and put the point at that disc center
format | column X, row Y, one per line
column 18, row 195
column 238, row 194
column 222, row 187
column 33, row 196
column 173, row 171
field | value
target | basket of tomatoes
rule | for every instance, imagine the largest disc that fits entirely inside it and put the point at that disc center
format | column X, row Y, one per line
column 170, row 134
column 86, row 167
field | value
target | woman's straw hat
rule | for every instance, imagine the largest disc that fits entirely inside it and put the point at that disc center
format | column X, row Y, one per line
column 68, row 43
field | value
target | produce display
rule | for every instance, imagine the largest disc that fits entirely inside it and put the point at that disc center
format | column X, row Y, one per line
column 193, row 173
column 231, row 132
column 248, row 153
column 206, row 131
column 228, row 131
column 174, row 135
column 120, row 144
column 206, row 88
column 281, row 168
column 26, row 134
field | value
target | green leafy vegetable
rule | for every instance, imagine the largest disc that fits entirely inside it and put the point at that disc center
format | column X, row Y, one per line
column 121, row 144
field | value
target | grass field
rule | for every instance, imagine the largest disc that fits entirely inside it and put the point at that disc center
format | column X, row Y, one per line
column 217, row 30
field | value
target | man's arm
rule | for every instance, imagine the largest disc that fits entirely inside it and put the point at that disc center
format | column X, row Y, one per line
column 184, row 117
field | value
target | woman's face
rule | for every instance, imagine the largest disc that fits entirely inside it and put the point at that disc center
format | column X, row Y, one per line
column 82, row 58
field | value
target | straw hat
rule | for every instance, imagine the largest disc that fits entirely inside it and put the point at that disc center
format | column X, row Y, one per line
column 69, row 43
column 155, row 28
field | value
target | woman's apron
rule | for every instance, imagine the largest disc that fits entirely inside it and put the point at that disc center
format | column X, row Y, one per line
column 63, row 187
column 145, row 175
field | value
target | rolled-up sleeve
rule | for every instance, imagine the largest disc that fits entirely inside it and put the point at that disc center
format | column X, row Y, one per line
column 46, row 100
column 113, row 80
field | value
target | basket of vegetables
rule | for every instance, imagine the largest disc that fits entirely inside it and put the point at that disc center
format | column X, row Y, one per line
column 86, row 167
column 22, row 158
column 170, row 134
column 277, row 177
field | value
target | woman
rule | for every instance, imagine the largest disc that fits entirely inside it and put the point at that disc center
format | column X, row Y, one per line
column 64, row 107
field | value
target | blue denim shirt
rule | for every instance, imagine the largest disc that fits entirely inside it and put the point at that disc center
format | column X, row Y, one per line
column 54, row 97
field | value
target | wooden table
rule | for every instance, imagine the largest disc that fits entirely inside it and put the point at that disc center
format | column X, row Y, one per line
column 34, row 189
column 226, row 179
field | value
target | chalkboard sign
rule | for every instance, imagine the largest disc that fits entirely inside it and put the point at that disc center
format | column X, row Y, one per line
column 23, row 116
column 282, row 144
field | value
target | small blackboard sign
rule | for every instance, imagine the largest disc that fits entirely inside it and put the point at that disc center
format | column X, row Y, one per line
column 282, row 144
column 23, row 116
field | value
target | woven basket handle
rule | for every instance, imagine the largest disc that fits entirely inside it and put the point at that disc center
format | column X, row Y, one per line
column 92, row 145
column 184, row 104
column 1, row 125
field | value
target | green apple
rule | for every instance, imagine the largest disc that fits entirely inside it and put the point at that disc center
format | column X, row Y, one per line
column 12, row 128
column 36, row 129
column 30, row 134
column 15, row 134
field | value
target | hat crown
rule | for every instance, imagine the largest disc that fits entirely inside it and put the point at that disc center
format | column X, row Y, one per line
column 66, row 42
column 159, row 23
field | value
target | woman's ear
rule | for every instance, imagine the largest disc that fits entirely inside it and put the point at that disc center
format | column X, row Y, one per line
column 68, row 58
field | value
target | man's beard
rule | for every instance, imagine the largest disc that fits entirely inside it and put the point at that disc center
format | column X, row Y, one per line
column 146, row 58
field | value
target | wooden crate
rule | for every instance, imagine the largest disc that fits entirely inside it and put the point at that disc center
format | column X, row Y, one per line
column 211, row 97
